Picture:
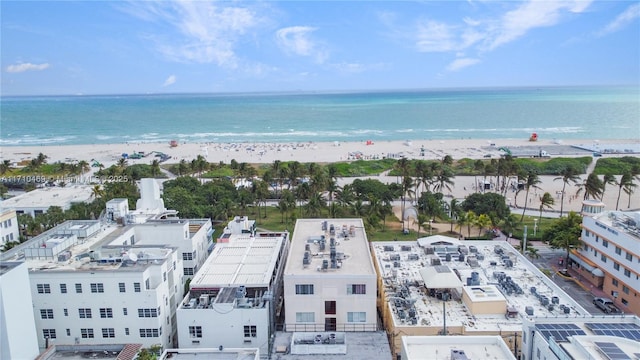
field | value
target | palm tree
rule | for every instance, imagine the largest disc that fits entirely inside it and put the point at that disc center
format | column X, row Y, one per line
column 315, row 205
column 97, row 191
column 287, row 203
column 182, row 167
column 482, row 222
column 155, row 168
column 478, row 168
column 303, row 192
column 346, row 195
column 454, row 209
column 5, row 166
column 83, row 166
column 471, row 220
column 568, row 174
column 532, row 180
column 406, row 190
column 461, row 221
column 626, row 182
column 546, row 201
column 443, row 179
column 608, row 179
column 122, row 164
column 593, row 187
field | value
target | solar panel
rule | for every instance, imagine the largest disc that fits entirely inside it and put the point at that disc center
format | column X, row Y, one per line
column 625, row 330
column 612, row 351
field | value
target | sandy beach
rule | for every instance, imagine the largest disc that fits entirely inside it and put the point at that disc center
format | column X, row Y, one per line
column 321, row 152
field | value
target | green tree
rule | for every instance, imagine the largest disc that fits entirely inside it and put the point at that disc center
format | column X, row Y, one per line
column 155, row 168
column 5, row 166
column 568, row 175
column 608, row 179
column 593, row 187
column 546, row 201
column 471, row 220
column 532, row 180
column 487, row 203
column 626, row 182
column 564, row 233
column 482, row 222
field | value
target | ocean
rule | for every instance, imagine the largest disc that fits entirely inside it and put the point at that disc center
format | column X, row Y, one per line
column 553, row 113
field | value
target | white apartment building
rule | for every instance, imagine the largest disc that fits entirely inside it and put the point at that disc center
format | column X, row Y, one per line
column 40, row 200
column 192, row 237
column 87, row 292
column 610, row 255
column 587, row 337
column 234, row 298
column 9, row 230
column 329, row 278
column 455, row 348
column 18, row 338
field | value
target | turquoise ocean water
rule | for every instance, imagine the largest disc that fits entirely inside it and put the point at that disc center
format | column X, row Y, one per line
column 553, row 113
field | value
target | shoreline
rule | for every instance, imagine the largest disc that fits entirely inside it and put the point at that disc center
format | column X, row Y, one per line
column 321, row 152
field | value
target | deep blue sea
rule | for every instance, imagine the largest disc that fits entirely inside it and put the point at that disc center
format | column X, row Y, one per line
column 553, row 113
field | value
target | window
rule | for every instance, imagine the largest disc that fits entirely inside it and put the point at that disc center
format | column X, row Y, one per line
column 66, row 312
column 46, row 313
column 357, row 289
column 195, row 331
column 628, row 256
column 84, row 313
column 250, row 331
column 122, row 287
column 605, row 243
column 356, row 317
column 188, row 271
column 63, row 288
column 164, row 276
column 614, row 282
column 304, row 289
column 627, row 273
column 150, row 332
column 305, row 317
column 79, row 288
column 616, row 266
column 618, row 251
column 136, row 286
column 43, row 288
column 86, row 333
column 49, row 333
column 97, row 288
column 68, row 332
column 187, row 256
column 126, row 331
column 108, row 332
column 330, row 307
column 106, row 313
column 147, row 313
column 625, row 302
column 124, row 311
column 625, row 289
column 146, row 284
column 597, row 238
column 603, row 258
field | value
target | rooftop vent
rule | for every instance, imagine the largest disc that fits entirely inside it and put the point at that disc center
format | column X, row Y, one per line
column 458, row 355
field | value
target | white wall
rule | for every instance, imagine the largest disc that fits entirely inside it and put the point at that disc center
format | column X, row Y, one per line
column 160, row 295
column 330, row 286
column 18, row 337
column 9, row 230
column 224, row 325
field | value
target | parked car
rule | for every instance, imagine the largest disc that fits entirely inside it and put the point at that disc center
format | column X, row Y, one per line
column 605, row 305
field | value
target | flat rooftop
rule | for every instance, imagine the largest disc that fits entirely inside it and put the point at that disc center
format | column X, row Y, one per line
column 7, row 266
column 447, row 347
column 213, row 354
column 90, row 253
column 623, row 221
column 245, row 260
column 592, row 336
column 360, row 345
column 415, row 302
column 51, row 196
column 351, row 245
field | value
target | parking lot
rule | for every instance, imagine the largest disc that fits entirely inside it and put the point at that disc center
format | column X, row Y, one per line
column 584, row 294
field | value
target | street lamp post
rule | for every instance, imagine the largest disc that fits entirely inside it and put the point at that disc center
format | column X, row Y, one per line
column 535, row 226
column 430, row 228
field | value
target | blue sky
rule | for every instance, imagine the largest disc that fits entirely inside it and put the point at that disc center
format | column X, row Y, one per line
column 119, row 47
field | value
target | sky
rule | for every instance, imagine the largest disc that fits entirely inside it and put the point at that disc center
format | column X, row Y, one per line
column 143, row 47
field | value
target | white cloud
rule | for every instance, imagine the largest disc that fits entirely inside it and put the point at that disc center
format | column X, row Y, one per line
column 22, row 67
column 533, row 14
column 297, row 40
column 461, row 63
column 627, row 17
column 433, row 36
column 170, row 80
column 202, row 32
